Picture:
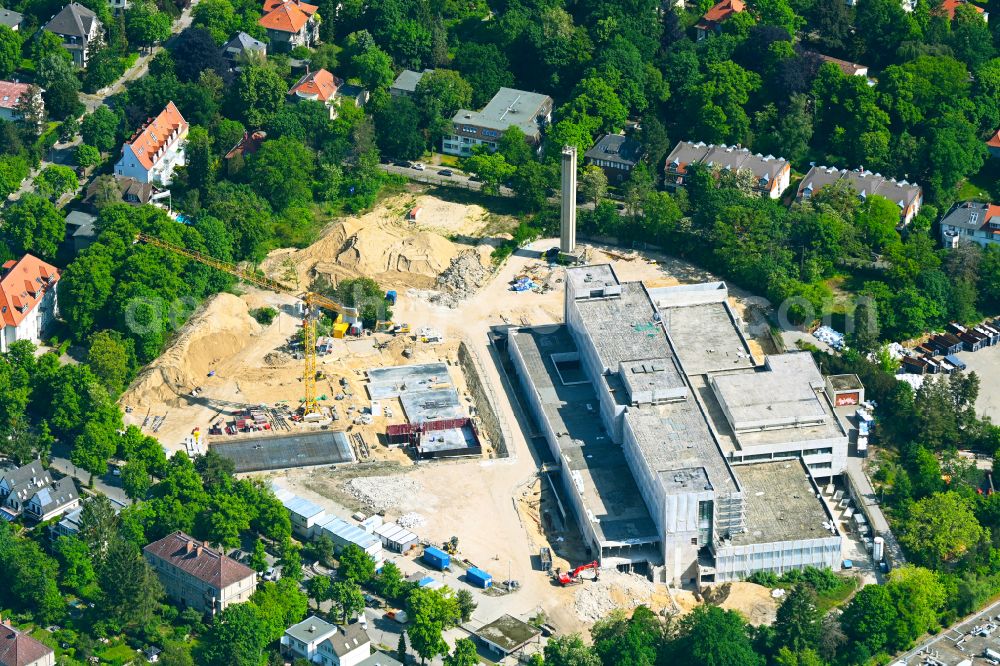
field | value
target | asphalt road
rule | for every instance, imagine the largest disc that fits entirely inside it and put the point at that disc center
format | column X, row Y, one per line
column 108, row 484
column 430, row 176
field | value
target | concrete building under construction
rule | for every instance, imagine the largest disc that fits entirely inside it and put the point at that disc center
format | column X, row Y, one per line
column 681, row 456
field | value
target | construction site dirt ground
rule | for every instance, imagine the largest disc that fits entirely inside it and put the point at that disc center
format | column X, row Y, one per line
column 494, row 506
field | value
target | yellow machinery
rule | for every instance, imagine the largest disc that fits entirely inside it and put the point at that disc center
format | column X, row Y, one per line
column 313, row 303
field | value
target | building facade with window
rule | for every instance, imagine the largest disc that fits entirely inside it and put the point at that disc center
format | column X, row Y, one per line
column 531, row 112
column 28, row 302
column 155, row 149
column 197, row 576
column 971, row 222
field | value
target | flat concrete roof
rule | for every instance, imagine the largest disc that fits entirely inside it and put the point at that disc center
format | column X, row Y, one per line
column 845, row 382
column 781, row 504
column 583, row 278
column 659, row 376
column 507, row 633
column 706, row 338
column 674, row 437
column 598, row 466
column 508, row 107
column 625, row 327
column 432, row 405
column 256, row 454
column 391, row 382
column 782, row 394
column 447, row 440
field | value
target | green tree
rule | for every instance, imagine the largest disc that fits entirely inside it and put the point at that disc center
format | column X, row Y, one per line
column 919, row 596
column 281, row 171
column 633, row 641
column 56, row 180
column 464, row 654
column 374, row 68
column 869, row 617
column 397, row 126
column 355, row 565
column 10, row 51
column 13, row 171
column 431, row 612
column 466, row 604
column 145, row 24
column 75, row 566
column 108, row 358
column 531, row 184
column 86, row 156
column 93, row 447
column 218, row 17
column 438, row 95
column 711, row 635
column 799, row 621
column 319, row 589
column 486, row 68
column 939, row 529
column 237, row 637
column 33, row 224
column 593, row 183
column 100, row 129
column 57, row 77
column 258, row 559
column 130, row 589
column 260, row 92
column 570, row 650
column 492, row 168
column 348, row 599
column 390, row 582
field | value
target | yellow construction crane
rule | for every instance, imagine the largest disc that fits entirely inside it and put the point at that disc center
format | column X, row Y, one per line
column 313, row 303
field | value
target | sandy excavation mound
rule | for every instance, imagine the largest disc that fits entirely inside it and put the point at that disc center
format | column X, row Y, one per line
column 383, row 246
column 221, row 328
column 752, row 601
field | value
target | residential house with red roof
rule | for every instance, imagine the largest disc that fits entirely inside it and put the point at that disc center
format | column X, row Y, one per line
column 948, row 7
column 27, row 299
column 993, row 144
column 971, row 222
column 290, row 23
column 11, row 95
column 319, row 86
column 17, row 648
column 155, row 149
column 713, row 19
column 197, row 576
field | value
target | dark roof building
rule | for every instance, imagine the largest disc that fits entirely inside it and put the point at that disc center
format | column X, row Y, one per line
column 971, row 221
column 771, row 174
column 908, row 196
column 79, row 27
column 242, row 46
column 10, row 19
column 616, row 155
column 19, row 649
column 197, row 576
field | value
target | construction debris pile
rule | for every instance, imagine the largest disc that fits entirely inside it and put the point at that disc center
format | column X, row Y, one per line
column 467, row 273
column 411, row 520
column 596, row 599
column 379, row 493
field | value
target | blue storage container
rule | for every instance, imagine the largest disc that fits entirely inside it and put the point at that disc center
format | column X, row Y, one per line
column 436, row 558
column 391, row 296
column 478, row 577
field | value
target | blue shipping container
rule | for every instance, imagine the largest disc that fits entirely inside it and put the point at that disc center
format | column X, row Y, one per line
column 437, row 558
column 391, row 296
column 478, row 577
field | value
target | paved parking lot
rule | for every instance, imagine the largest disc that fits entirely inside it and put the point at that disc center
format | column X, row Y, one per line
column 986, row 364
column 963, row 644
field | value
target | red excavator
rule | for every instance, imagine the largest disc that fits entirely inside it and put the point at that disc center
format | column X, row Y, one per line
column 573, row 577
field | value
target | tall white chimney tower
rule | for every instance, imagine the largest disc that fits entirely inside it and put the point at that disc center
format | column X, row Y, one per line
column 567, row 227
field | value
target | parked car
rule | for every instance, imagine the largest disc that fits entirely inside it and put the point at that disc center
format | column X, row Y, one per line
column 419, row 166
column 445, row 172
column 401, row 163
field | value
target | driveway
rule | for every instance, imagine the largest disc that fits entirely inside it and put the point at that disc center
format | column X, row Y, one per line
column 139, row 69
column 108, row 484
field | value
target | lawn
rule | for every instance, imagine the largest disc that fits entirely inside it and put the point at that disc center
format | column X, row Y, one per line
column 984, row 185
column 117, row 654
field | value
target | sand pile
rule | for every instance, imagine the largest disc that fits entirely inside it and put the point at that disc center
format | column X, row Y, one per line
column 383, row 246
column 221, row 328
column 753, row 601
